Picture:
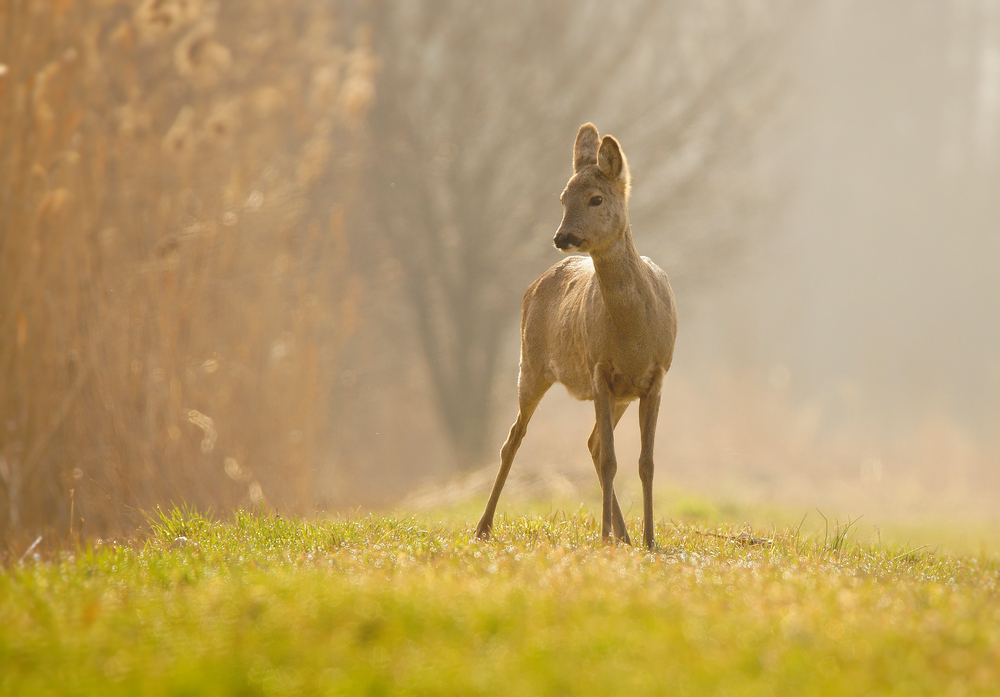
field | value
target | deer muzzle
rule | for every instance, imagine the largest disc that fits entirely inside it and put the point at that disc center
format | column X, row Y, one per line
column 566, row 241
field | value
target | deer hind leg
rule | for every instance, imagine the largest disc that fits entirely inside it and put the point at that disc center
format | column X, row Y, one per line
column 594, row 443
column 649, row 408
column 605, row 408
column 530, row 389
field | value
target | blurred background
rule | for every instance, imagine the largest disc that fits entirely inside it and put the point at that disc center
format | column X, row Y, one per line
column 271, row 253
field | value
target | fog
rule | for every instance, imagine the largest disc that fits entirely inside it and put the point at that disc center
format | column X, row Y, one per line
column 878, row 306
column 272, row 254
column 851, row 362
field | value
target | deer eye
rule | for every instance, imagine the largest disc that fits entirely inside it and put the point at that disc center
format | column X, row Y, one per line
column 596, row 201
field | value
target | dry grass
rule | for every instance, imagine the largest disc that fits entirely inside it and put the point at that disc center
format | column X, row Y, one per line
column 175, row 265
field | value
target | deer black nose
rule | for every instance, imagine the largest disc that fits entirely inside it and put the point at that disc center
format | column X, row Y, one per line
column 565, row 240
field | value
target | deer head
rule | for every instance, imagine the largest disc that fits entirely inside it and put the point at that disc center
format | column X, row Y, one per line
column 595, row 201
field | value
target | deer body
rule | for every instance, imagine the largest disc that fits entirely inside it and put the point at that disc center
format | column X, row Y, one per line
column 603, row 326
column 589, row 326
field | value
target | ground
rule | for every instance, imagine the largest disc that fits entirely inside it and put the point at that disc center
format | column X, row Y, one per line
column 263, row 605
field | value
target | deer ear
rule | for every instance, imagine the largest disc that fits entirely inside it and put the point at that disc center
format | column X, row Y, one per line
column 611, row 160
column 585, row 148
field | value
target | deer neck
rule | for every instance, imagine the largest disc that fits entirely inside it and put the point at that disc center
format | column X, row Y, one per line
column 622, row 278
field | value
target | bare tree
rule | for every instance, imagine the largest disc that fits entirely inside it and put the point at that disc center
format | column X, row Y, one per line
column 467, row 92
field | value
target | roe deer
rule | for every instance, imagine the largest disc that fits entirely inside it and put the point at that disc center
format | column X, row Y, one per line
column 603, row 326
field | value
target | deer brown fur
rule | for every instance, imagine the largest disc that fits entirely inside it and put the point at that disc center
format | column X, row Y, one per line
column 603, row 325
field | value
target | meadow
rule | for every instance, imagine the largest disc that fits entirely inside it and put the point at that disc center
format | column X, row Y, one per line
column 258, row 604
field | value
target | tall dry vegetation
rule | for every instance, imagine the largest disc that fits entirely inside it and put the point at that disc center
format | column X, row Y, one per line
column 175, row 276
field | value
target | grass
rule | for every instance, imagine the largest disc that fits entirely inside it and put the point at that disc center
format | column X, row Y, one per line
column 263, row 605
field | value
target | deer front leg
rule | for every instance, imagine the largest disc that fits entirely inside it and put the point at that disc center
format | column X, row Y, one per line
column 649, row 408
column 530, row 389
column 604, row 407
column 507, row 453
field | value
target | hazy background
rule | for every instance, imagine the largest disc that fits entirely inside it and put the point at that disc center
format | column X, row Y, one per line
column 273, row 252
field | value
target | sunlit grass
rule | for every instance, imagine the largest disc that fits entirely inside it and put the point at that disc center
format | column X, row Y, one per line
column 372, row 605
column 974, row 536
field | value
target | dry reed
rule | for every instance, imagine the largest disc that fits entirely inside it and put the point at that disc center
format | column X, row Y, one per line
column 175, row 276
